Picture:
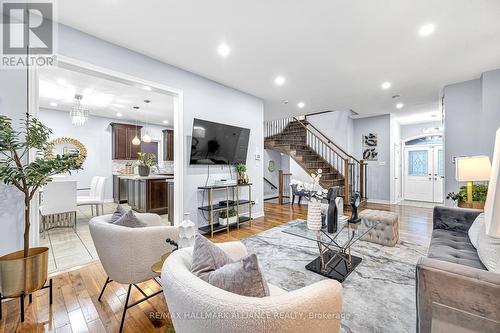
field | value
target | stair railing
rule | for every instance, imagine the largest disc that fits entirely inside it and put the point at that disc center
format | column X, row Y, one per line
column 275, row 127
column 352, row 170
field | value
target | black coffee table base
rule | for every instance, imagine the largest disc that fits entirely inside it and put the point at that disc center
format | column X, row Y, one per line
column 338, row 269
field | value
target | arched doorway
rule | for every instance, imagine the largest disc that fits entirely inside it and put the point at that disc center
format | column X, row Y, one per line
column 423, row 168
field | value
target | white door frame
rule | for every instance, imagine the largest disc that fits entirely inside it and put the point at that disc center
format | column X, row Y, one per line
column 177, row 94
column 403, row 158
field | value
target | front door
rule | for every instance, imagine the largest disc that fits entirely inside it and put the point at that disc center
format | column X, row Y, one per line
column 424, row 173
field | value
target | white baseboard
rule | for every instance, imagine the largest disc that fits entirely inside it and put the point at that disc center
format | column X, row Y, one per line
column 377, row 201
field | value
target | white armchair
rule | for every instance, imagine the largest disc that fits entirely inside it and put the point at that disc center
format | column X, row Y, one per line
column 187, row 294
column 127, row 254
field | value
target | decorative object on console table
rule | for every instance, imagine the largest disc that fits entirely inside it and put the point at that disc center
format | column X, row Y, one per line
column 227, row 216
column 314, row 198
column 25, row 271
column 241, row 169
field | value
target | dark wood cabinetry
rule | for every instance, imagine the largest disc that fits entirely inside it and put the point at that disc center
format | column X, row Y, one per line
column 121, row 136
column 148, row 195
column 168, row 145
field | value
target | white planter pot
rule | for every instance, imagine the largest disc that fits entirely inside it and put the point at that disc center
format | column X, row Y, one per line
column 314, row 215
column 230, row 220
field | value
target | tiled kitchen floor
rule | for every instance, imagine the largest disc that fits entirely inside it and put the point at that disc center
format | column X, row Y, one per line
column 70, row 249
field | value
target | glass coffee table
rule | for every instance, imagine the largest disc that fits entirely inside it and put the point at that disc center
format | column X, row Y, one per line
column 335, row 260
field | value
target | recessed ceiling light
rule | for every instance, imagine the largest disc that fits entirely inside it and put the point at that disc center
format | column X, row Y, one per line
column 426, row 29
column 400, row 105
column 118, row 114
column 165, row 121
column 386, row 85
column 53, row 104
column 136, row 108
column 279, row 80
column 148, row 88
column 224, row 50
column 61, row 81
column 301, row 105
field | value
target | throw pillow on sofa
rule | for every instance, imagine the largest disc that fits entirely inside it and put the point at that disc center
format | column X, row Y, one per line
column 475, row 229
column 488, row 250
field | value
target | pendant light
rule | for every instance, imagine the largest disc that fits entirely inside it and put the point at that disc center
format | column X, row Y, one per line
column 78, row 113
column 146, row 137
column 136, row 141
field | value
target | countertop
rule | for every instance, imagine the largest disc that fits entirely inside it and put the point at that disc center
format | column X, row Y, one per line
column 136, row 177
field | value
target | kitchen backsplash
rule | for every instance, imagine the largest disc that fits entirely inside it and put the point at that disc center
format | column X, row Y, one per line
column 120, row 166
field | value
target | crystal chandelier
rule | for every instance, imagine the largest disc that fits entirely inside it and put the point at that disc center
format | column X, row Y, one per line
column 78, row 113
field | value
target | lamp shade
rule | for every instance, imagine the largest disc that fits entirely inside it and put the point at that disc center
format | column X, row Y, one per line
column 492, row 205
column 473, row 168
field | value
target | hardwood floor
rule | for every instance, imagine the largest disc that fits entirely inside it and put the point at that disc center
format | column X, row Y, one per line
column 76, row 308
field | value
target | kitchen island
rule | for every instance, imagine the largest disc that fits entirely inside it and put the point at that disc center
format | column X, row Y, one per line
column 146, row 194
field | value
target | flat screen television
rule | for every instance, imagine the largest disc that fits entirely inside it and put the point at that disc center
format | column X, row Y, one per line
column 215, row 143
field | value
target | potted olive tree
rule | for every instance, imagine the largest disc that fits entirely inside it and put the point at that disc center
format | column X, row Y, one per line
column 25, row 271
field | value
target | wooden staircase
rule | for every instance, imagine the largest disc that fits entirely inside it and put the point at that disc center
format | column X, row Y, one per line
column 312, row 150
column 292, row 142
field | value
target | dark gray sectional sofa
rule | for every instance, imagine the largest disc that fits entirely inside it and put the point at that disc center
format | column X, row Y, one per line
column 454, row 291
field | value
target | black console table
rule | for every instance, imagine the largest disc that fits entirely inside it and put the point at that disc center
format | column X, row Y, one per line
column 232, row 201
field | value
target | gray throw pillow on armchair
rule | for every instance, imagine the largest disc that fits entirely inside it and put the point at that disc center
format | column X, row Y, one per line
column 213, row 265
column 243, row 277
column 130, row 220
column 119, row 212
column 207, row 257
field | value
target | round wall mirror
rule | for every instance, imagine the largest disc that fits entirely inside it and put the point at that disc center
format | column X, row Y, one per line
column 66, row 146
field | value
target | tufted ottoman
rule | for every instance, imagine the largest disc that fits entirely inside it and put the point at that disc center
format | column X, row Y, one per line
column 385, row 233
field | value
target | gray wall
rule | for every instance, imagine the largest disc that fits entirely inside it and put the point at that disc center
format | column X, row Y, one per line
column 378, row 172
column 338, row 126
column 203, row 98
column 472, row 116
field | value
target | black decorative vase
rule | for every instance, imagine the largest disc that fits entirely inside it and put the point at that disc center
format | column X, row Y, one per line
column 333, row 217
column 143, row 171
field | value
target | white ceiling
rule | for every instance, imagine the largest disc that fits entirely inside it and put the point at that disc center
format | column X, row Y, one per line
column 334, row 54
column 103, row 97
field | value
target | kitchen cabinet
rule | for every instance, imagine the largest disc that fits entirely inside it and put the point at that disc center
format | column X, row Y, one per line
column 121, row 141
column 148, row 194
column 168, row 145
column 120, row 188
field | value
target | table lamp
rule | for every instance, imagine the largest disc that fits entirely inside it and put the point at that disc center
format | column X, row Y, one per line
column 470, row 169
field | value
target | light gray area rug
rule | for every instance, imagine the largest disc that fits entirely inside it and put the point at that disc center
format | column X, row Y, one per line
column 379, row 296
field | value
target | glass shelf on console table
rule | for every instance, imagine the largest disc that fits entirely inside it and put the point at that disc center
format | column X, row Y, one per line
column 232, row 201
